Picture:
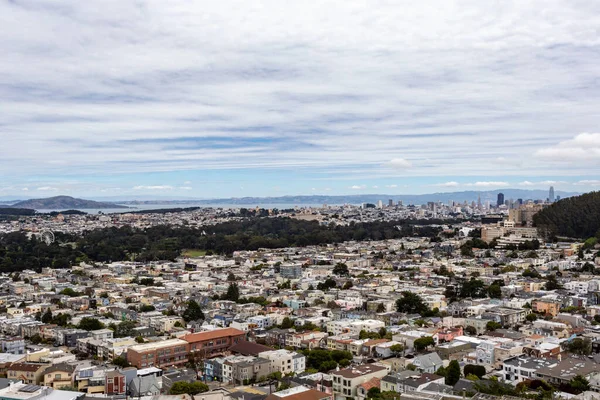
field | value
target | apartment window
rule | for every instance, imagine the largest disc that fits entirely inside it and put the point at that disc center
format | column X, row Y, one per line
column 57, row 376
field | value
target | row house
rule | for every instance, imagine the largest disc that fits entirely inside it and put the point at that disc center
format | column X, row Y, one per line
column 285, row 361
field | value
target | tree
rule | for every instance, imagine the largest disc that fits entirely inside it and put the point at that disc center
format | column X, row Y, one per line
column 347, row 285
column 552, row 283
column 397, row 348
column 233, row 292
column 452, row 373
column 423, row 343
column 231, row 277
column 578, row 346
column 193, row 312
column 70, row 292
column 47, row 316
column 492, row 326
column 374, row 393
column 471, row 330
column 147, row 308
column 579, row 384
column 121, row 361
column 90, row 324
column 341, row 269
column 495, row 292
column 287, row 323
column 192, row 388
column 411, row 303
column 380, row 308
column 531, row 317
column 477, row 370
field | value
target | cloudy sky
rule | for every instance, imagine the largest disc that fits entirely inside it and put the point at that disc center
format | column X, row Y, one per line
column 184, row 98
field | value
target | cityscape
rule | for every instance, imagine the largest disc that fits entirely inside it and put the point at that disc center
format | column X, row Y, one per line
column 325, row 200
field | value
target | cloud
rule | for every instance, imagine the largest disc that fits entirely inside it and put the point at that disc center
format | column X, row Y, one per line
column 158, row 187
column 47, row 189
column 358, row 187
column 399, row 163
column 481, row 184
column 185, row 187
column 583, row 147
column 391, row 186
column 187, row 182
column 587, row 182
column 25, row 189
column 154, row 91
column 448, row 184
column 526, row 183
column 487, row 184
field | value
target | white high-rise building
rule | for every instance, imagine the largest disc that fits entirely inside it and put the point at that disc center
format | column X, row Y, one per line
column 551, row 194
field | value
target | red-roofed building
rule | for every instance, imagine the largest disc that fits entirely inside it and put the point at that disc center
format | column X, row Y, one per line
column 363, row 389
column 213, row 343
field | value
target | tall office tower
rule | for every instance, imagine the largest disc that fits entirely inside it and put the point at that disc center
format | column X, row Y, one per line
column 379, row 204
column 479, row 202
column 400, row 203
column 390, row 203
column 520, row 201
column 500, row 200
column 551, row 194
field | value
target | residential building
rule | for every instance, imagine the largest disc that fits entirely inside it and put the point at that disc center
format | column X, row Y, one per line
column 347, row 380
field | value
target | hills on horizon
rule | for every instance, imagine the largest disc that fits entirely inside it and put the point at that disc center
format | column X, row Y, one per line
column 62, row 203
column 68, row 202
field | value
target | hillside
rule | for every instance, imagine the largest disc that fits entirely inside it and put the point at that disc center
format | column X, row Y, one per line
column 63, row 203
column 577, row 216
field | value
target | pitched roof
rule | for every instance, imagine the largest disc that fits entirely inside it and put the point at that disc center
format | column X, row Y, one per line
column 215, row 334
column 371, row 383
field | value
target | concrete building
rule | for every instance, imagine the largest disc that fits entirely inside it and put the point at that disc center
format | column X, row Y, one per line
column 346, row 381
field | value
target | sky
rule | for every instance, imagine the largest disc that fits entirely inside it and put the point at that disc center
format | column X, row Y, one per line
column 184, row 99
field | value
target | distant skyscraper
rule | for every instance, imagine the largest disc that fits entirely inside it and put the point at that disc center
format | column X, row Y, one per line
column 479, row 202
column 390, row 203
column 500, row 200
column 551, row 194
column 379, row 204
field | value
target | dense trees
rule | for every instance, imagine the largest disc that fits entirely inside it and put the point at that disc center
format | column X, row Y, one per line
column 193, row 312
column 90, row 324
column 191, row 388
column 577, row 216
column 325, row 360
column 411, row 303
column 452, row 373
column 477, row 370
column 18, row 252
column 423, row 343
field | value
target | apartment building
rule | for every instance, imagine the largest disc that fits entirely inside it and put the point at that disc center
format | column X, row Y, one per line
column 346, row 381
column 166, row 353
column 215, row 342
column 546, row 307
column 285, row 361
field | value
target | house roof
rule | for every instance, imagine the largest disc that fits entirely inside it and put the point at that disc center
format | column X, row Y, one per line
column 249, row 348
column 354, row 372
column 372, row 383
column 215, row 334
column 30, row 367
column 427, row 360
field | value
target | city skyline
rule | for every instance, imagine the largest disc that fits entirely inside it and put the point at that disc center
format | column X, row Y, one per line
column 236, row 99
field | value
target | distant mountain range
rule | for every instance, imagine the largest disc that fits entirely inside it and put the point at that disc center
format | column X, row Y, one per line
column 468, row 196
column 67, row 202
column 63, row 203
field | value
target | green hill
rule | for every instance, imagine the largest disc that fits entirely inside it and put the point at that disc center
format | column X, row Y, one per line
column 577, row 217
